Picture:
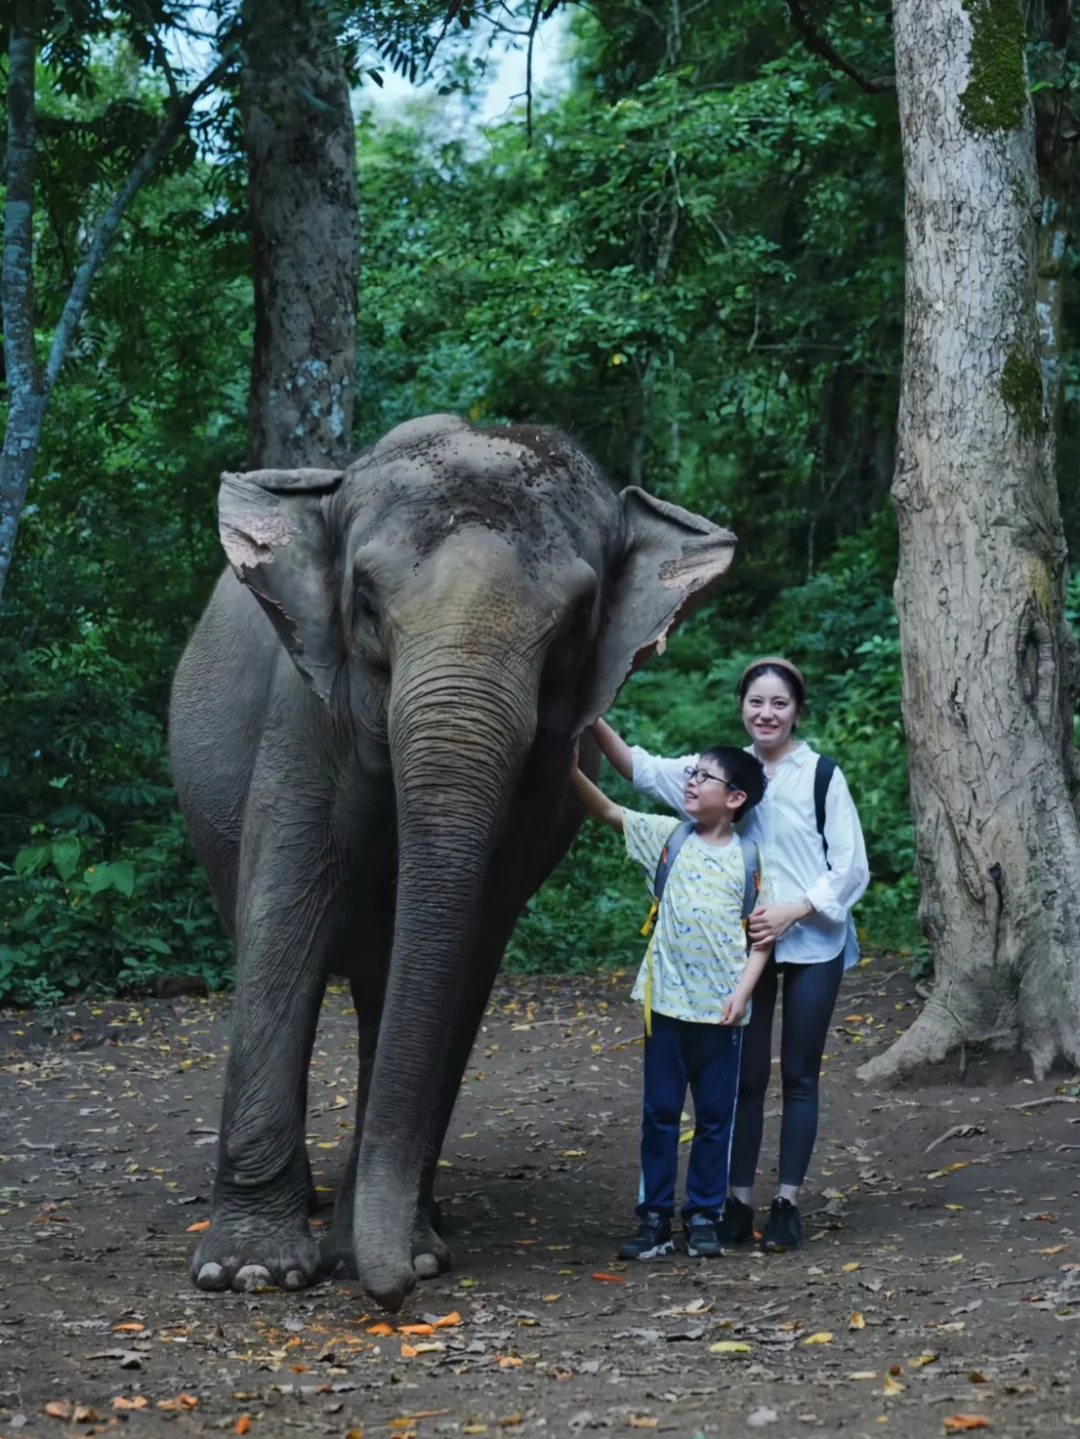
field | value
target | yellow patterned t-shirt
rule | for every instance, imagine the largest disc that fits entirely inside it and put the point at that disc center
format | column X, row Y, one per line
column 699, row 944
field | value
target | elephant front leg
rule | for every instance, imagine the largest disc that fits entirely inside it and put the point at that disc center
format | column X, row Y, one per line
column 259, row 1232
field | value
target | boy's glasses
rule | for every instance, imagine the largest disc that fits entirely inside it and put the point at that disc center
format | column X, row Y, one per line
column 700, row 776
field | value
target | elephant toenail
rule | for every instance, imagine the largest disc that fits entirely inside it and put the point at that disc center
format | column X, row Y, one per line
column 425, row 1266
column 212, row 1276
column 251, row 1277
column 295, row 1279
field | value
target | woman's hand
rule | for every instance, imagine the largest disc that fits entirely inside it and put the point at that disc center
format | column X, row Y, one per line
column 769, row 921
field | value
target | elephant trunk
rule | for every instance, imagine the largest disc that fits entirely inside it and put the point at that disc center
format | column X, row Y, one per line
column 460, row 728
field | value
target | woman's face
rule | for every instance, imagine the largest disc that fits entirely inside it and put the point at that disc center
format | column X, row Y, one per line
column 769, row 712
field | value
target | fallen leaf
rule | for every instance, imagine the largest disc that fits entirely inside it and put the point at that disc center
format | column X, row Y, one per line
column 551, row 1298
column 408, row 1352
column 976, row 1376
column 891, row 1386
column 643, row 1421
column 138, row 1328
column 182, row 1401
column 416, row 1329
column 957, row 1422
column 729, row 1346
column 471, row 1429
column 821, row 1337
column 850, row 1268
column 137, row 1401
column 383, row 1329
column 864, row 1374
column 509, row 1361
column 920, row 1359
column 610, row 1278
column 855, row 1320
column 59, row 1408
column 448, row 1321
column 243, row 1424
column 198, row 1226
column 354, row 1434
column 1054, row 1249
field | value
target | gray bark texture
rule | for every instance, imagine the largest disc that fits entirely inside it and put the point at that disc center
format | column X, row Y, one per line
column 988, row 659
column 301, row 155
column 24, row 388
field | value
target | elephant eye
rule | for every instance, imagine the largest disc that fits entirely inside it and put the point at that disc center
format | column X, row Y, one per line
column 364, row 606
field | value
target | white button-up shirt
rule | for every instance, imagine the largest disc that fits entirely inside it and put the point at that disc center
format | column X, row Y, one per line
column 784, row 828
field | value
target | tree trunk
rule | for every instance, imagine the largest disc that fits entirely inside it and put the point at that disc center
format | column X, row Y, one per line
column 989, row 662
column 24, row 390
column 301, row 153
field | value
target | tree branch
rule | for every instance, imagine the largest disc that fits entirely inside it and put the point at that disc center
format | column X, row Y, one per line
column 819, row 45
column 17, row 280
column 107, row 226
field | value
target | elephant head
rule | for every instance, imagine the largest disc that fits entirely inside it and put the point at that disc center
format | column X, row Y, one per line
column 465, row 600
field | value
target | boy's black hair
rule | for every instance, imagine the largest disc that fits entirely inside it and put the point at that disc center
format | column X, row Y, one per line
column 742, row 769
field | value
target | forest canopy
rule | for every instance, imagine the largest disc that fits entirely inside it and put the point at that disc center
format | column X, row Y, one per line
column 691, row 259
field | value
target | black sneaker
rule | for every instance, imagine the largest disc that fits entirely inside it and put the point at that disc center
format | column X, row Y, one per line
column 652, row 1241
column 736, row 1225
column 784, row 1229
column 701, row 1240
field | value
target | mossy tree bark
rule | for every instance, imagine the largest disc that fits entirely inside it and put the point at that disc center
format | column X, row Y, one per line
column 989, row 662
column 301, row 158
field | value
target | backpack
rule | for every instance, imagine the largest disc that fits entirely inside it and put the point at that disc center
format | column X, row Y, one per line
column 675, row 841
column 823, row 774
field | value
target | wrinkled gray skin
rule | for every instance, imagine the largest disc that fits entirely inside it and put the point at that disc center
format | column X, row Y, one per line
column 371, row 734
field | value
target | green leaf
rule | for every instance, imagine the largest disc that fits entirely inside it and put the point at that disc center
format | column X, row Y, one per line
column 66, row 850
column 32, row 858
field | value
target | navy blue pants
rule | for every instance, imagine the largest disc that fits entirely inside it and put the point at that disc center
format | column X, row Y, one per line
column 810, row 992
column 707, row 1057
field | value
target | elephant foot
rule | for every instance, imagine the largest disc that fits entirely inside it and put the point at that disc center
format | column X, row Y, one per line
column 430, row 1255
column 247, row 1256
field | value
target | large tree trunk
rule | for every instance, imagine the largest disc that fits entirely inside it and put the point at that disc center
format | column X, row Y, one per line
column 301, row 155
column 989, row 662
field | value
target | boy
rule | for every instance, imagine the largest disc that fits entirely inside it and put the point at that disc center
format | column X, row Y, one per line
column 695, row 982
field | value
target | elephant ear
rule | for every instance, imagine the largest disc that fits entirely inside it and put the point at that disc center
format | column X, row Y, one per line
column 274, row 529
column 670, row 561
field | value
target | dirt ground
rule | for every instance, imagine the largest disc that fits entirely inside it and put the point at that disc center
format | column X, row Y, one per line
column 937, row 1291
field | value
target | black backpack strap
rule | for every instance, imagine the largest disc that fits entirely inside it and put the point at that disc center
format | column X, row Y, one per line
column 823, row 774
column 675, row 841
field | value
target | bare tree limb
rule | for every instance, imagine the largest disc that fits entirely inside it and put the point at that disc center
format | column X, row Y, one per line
column 819, row 45
column 28, row 388
column 107, row 226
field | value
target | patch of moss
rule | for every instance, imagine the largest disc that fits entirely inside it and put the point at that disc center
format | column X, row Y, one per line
column 1022, row 391
column 997, row 92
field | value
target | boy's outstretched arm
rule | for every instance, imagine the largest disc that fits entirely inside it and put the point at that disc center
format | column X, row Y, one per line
column 756, row 961
column 614, row 749
column 594, row 800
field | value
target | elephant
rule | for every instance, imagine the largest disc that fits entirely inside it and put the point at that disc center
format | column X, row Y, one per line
column 371, row 732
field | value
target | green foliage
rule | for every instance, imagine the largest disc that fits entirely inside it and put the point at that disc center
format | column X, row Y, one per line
column 696, row 267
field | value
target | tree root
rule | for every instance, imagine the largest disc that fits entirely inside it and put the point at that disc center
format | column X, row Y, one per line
column 933, row 1036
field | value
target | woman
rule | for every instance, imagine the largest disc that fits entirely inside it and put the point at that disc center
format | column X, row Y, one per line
column 811, row 879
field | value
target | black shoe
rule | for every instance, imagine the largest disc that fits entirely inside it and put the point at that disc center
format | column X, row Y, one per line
column 736, row 1225
column 784, row 1229
column 652, row 1241
column 701, row 1240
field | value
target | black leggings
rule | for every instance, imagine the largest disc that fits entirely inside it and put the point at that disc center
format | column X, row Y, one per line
column 809, row 996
